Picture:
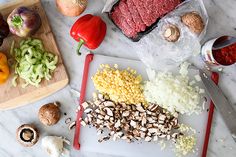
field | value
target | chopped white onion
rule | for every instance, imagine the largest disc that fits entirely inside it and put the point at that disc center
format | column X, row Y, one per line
column 173, row 93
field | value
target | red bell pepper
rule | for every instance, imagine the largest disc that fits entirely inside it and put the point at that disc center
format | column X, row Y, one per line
column 89, row 30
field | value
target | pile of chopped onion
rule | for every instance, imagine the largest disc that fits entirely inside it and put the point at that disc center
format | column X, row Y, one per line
column 171, row 92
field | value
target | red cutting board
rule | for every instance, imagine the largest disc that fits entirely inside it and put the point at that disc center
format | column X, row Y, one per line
column 86, row 138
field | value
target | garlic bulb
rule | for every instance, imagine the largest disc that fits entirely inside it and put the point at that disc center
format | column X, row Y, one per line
column 54, row 146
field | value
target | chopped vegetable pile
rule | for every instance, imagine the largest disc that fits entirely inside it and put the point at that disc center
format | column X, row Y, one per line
column 185, row 145
column 33, row 63
column 172, row 92
column 120, row 85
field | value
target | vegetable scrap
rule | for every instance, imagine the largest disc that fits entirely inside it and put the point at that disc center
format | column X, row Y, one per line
column 89, row 30
column 171, row 92
column 72, row 125
column 123, row 86
column 23, row 21
column 4, row 68
column 33, row 62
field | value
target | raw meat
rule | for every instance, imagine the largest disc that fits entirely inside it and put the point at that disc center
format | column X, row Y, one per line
column 127, row 15
column 121, row 22
column 140, row 26
column 134, row 16
column 149, row 6
column 143, row 12
column 162, row 7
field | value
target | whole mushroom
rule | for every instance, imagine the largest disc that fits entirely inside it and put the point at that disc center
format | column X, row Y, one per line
column 171, row 33
column 49, row 114
column 193, row 21
column 27, row 135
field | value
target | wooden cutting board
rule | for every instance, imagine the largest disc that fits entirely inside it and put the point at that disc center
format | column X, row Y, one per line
column 11, row 97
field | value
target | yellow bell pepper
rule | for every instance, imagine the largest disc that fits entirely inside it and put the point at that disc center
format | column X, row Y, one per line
column 4, row 68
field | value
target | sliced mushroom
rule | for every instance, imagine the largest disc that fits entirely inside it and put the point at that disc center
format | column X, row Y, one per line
column 108, row 111
column 68, row 120
column 88, row 110
column 109, row 104
column 153, row 107
column 162, row 117
column 85, row 105
column 72, row 125
column 140, row 108
column 133, row 123
column 144, row 121
column 148, row 139
column 117, row 124
column 125, row 113
column 100, row 97
column 83, row 123
column 129, row 122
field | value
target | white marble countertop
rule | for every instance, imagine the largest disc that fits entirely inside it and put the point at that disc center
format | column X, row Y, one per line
column 222, row 21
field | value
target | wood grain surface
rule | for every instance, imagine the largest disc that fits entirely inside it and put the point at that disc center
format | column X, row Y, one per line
column 11, row 97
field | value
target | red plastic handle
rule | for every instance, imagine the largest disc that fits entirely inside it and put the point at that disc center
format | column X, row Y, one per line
column 215, row 78
column 88, row 60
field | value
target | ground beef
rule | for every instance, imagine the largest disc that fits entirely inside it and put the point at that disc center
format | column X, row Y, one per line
column 126, row 13
column 149, row 6
column 162, row 7
column 140, row 26
column 143, row 11
column 133, row 16
column 120, row 21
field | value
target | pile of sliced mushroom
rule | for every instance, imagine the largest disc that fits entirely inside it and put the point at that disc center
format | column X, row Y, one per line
column 129, row 122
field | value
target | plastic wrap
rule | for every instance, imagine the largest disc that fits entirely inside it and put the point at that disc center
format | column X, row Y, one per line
column 160, row 54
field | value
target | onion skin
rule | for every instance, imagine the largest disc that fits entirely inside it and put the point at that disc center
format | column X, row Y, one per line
column 23, row 22
column 71, row 7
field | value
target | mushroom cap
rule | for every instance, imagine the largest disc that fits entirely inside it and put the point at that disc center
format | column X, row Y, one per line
column 171, row 33
column 193, row 21
column 27, row 135
column 49, row 114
